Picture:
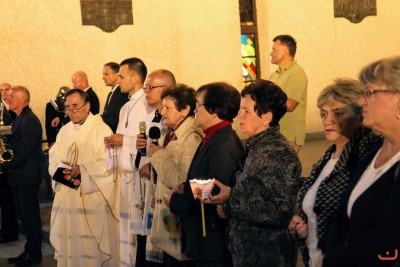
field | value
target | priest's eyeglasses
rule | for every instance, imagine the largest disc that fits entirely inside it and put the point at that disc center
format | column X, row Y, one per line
column 73, row 108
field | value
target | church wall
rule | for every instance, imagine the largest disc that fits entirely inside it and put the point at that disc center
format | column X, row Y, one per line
column 327, row 47
column 44, row 42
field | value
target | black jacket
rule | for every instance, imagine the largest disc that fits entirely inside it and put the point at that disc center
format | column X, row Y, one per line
column 218, row 159
column 26, row 142
column 373, row 229
column 94, row 101
column 111, row 111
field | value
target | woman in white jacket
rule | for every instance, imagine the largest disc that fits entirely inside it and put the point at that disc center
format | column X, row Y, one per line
column 171, row 161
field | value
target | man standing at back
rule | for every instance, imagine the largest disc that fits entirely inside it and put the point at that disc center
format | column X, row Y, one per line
column 115, row 99
column 80, row 81
column 132, row 75
column 293, row 81
column 24, row 174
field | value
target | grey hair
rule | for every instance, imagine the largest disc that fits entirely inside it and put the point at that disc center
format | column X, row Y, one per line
column 344, row 90
column 385, row 71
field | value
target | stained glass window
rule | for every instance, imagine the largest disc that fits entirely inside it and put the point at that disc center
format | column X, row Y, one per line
column 249, row 41
column 249, row 62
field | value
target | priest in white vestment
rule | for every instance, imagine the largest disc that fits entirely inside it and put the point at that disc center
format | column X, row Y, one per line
column 84, row 221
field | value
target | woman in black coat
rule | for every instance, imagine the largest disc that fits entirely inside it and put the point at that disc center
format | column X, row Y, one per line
column 216, row 157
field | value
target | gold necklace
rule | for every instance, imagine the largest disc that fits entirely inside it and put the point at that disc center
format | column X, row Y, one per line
column 129, row 111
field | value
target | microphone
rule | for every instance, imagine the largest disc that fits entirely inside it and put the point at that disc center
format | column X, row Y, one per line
column 154, row 134
column 142, row 130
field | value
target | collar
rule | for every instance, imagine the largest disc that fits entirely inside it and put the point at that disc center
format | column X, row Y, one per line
column 23, row 111
column 182, row 128
column 115, row 87
column 177, row 127
column 269, row 133
column 209, row 132
column 83, row 122
column 157, row 116
column 280, row 70
column 138, row 94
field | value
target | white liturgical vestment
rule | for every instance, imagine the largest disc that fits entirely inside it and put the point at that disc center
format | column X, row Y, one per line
column 131, row 114
column 84, row 222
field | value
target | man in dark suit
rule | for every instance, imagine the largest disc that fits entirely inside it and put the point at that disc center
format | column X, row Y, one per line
column 24, row 174
column 80, row 81
column 9, row 224
column 115, row 99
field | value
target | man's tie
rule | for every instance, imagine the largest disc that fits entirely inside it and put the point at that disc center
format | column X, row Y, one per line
column 107, row 102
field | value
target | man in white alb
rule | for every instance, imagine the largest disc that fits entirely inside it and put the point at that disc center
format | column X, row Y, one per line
column 132, row 74
column 84, row 221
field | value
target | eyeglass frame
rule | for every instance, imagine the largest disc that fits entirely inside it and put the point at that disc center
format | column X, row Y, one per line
column 69, row 109
column 368, row 92
column 150, row 88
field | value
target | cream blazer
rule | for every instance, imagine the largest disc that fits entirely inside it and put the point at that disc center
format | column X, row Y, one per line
column 172, row 166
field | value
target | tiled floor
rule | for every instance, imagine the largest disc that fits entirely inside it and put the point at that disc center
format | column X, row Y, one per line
column 15, row 248
column 309, row 154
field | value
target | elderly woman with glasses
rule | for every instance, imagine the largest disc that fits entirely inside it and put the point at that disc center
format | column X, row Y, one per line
column 366, row 231
column 171, row 160
column 319, row 196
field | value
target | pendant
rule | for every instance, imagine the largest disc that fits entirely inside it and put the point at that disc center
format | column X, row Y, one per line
column 126, row 124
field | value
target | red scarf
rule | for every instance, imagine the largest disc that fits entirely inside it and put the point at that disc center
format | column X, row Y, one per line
column 212, row 130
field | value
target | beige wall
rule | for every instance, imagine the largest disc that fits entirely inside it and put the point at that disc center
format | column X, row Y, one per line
column 43, row 42
column 328, row 47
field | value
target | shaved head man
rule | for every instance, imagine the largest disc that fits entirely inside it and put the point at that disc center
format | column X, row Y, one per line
column 80, row 81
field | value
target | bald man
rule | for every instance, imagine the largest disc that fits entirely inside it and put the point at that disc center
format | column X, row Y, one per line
column 155, row 83
column 24, row 174
column 80, row 81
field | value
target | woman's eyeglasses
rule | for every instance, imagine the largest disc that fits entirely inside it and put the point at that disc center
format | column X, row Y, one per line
column 368, row 92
